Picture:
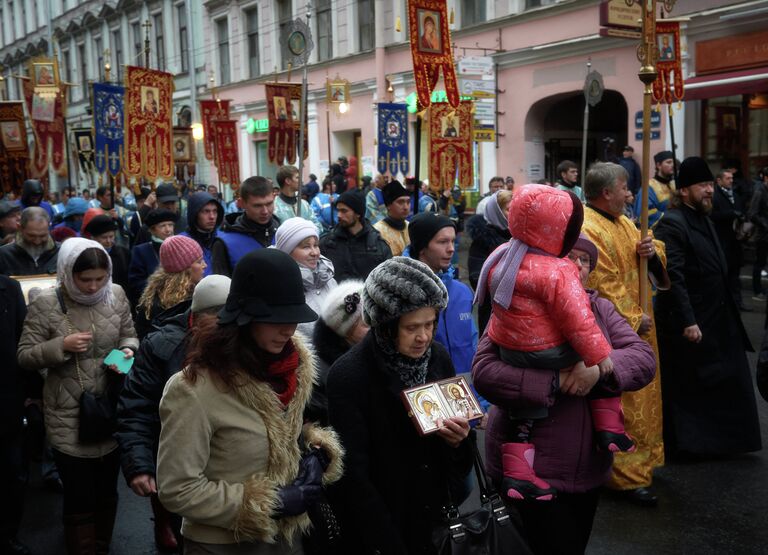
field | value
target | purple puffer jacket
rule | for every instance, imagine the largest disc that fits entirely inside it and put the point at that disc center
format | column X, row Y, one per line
column 565, row 450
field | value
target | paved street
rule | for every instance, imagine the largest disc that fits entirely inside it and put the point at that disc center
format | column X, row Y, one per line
column 706, row 507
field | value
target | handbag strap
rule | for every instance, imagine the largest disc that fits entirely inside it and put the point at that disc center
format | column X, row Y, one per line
column 63, row 307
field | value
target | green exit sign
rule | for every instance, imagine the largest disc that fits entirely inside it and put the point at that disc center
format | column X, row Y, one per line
column 256, row 126
column 437, row 96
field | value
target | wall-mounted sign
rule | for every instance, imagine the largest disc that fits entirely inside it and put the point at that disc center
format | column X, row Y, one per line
column 256, row 126
column 655, row 119
column 654, row 135
column 616, row 13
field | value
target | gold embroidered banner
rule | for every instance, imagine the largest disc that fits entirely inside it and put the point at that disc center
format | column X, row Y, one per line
column 295, row 111
column 431, row 50
column 14, row 152
column 148, row 123
column 212, row 110
column 227, row 159
column 281, row 131
column 450, row 145
column 46, row 112
column 669, row 65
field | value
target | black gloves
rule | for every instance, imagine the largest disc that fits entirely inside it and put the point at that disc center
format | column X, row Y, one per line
column 296, row 498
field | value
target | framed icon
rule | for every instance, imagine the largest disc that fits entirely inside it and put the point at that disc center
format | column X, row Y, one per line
column 183, row 145
column 12, row 137
column 31, row 286
column 45, row 74
column 337, row 91
column 430, row 39
column 429, row 404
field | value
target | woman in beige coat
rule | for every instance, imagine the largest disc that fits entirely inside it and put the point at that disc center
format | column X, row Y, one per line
column 232, row 460
column 70, row 330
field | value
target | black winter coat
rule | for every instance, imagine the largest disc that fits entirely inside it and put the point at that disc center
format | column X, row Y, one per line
column 14, row 261
column 708, row 395
column 485, row 239
column 161, row 355
column 329, row 347
column 395, row 481
column 724, row 214
column 354, row 256
column 121, row 261
column 12, row 381
column 758, row 213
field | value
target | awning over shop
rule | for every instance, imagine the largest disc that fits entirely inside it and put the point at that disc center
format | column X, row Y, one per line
column 727, row 84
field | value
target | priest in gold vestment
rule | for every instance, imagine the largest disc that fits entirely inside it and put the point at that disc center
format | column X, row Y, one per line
column 616, row 278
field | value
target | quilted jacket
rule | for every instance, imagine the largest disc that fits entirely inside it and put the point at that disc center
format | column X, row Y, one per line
column 41, row 346
column 549, row 306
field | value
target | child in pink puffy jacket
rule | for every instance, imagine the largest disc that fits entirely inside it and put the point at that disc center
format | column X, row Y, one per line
column 542, row 319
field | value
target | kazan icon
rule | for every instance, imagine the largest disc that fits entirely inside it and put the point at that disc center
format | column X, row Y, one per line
column 149, row 98
column 429, row 31
column 281, row 113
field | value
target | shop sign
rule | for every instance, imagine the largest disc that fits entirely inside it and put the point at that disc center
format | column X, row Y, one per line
column 616, row 13
column 478, row 88
column 655, row 119
column 256, row 126
column 732, row 53
column 485, row 135
column 477, row 66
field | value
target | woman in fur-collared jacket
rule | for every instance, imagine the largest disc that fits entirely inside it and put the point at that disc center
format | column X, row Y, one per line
column 235, row 459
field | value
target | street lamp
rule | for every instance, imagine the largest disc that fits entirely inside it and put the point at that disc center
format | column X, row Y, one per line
column 197, row 131
column 343, row 108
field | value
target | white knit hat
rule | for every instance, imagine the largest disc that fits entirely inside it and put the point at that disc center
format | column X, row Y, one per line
column 210, row 292
column 292, row 232
column 343, row 307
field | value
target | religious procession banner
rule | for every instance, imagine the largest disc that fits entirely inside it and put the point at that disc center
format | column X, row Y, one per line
column 84, row 148
column 281, row 130
column 14, row 152
column 212, row 110
column 431, row 50
column 295, row 111
column 108, row 125
column 46, row 110
column 450, row 145
column 148, row 123
column 668, row 86
column 227, row 158
column 393, row 138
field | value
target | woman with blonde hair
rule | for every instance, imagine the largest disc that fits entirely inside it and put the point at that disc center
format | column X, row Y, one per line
column 169, row 288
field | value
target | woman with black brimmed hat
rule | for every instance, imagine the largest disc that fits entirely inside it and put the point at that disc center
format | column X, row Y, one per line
column 231, row 460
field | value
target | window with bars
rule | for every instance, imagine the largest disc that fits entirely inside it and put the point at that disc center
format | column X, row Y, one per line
column 324, row 28
column 83, row 71
column 117, row 52
column 284, row 13
column 472, row 12
column 157, row 23
column 222, row 35
column 181, row 15
column 252, row 28
column 365, row 24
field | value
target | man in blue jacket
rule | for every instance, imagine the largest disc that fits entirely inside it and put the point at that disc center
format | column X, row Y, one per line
column 204, row 216
column 432, row 242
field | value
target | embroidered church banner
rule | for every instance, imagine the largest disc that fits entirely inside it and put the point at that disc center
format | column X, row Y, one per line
column 281, row 130
column 47, row 118
column 109, row 127
column 295, row 111
column 393, row 138
column 13, row 131
column 450, row 145
column 227, row 158
column 431, row 50
column 668, row 86
column 148, row 123
column 212, row 110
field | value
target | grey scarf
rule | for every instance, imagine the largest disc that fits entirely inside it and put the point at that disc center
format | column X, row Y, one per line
column 411, row 371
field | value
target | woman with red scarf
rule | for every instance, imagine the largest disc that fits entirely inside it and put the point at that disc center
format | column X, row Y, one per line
column 235, row 459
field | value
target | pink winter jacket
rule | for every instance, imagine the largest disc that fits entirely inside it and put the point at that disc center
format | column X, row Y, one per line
column 549, row 306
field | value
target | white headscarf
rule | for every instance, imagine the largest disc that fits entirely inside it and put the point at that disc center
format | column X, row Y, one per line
column 69, row 252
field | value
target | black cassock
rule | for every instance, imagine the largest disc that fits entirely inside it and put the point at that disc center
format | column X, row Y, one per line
column 707, row 387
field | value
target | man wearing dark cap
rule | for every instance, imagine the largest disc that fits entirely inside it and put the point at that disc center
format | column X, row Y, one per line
column 660, row 188
column 394, row 228
column 709, row 399
column 627, row 161
column 145, row 257
column 10, row 218
column 354, row 246
column 432, row 242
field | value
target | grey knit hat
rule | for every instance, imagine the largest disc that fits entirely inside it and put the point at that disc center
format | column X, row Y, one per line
column 398, row 286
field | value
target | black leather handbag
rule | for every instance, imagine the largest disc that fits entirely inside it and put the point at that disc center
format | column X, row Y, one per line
column 98, row 413
column 488, row 530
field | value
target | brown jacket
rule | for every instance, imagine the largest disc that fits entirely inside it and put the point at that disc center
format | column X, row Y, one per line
column 224, row 454
column 42, row 346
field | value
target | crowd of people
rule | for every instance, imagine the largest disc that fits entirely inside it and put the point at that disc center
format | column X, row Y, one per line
column 243, row 364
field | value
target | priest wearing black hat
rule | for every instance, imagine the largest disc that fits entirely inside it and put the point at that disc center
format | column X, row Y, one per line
column 102, row 229
column 660, row 188
column 707, row 391
column 394, row 228
column 354, row 246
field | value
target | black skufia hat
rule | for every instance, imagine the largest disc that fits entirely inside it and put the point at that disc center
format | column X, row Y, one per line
column 266, row 287
column 693, row 170
column 159, row 215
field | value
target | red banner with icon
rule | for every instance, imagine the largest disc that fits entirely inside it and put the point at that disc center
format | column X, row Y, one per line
column 227, row 158
column 431, row 50
column 148, row 123
column 295, row 111
column 668, row 86
column 450, row 145
column 210, row 111
column 46, row 112
column 281, row 131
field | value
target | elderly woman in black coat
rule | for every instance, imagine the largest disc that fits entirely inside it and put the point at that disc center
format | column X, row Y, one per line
column 396, row 481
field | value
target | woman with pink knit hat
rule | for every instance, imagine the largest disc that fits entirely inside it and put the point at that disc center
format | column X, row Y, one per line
column 169, row 289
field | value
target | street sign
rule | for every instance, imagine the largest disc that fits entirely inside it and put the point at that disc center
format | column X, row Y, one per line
column 477, row 66
column 485, row 135
column 616, row 13
column 655, row 119
column 654, row 135
column 620, row 33
column 478, row 88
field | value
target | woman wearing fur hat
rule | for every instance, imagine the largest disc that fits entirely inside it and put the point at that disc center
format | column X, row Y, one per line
column 70, row 330
column 298, row 238
column 339, row 327
column 235, row 459
column 169, row 289
column 396, row 481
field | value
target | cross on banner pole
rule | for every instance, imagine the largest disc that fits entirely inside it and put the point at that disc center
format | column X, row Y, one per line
column 302, row 115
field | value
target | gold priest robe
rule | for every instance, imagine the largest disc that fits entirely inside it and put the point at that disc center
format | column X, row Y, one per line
column 616, row 278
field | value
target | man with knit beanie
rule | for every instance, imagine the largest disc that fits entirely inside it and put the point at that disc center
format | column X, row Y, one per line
column 146, row 256
column 161, row 354
column 394, row 228
column 204, row 216
column 432, row 242
column 708, row 392
column 242, row 232
column 660, row 188
column 354, row 246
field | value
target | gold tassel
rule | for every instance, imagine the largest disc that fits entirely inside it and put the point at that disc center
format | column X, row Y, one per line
column 450, row 19
column 397, row 24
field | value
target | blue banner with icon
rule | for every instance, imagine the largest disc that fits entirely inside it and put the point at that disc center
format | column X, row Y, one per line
column 393, row 138
column 109, row 126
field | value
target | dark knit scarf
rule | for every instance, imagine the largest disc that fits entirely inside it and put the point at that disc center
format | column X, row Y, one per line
column 287, row 199
column 664, row 180
column 396, row 224
column 279, row 371
column 411, row 371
